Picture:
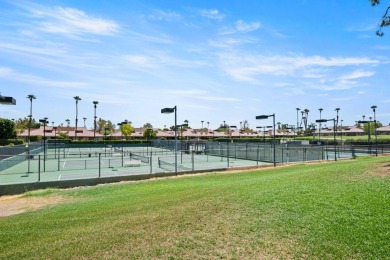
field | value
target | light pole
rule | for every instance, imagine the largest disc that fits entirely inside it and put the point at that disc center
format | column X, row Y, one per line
column 337, row 118
column 297, row 116
column 334, row 133
column 341, row 132
column 320, row 125
column 169, row 110
column 55, row 142
column 77, row 99
column 30, row 97
column 94, row 123
column 266, row 117
column 376, row 140
column 44, row 121
column 120, row 127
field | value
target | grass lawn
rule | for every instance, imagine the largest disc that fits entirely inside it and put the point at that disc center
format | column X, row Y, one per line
column 314, row 211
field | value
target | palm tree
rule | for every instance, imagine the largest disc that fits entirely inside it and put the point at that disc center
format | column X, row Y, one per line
column 30, row 97
column 94, row 117
column 306, row 116
column 84, row 118
column 297, row 116
column 68, row 121
column 77, row 98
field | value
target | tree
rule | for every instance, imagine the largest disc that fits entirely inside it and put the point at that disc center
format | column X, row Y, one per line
column 369, row 128
column 126, row 129
column 104, row 126
column 148, row 125
column 101, row 123
column 149, row 134
column 22, row 124
column 385, row 20
column 7, row 129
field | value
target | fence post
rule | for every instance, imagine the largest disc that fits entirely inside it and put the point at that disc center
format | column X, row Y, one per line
column 227, row 154
column 151, row 162
column 39, row 168
column 99, row 163
column 193, row 161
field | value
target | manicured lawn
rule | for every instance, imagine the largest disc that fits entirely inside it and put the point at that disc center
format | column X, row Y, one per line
column 321, row 211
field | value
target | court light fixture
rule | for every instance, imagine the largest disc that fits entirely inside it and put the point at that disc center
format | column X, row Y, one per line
column 169, row 110
column 7, row 100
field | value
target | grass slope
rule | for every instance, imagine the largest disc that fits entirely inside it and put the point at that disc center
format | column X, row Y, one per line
column 328, row 210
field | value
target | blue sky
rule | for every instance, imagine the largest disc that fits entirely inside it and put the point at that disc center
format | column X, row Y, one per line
column 215, row 60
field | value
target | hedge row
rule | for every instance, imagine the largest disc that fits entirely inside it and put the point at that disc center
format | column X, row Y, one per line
column 4, row 142
column 69, row 141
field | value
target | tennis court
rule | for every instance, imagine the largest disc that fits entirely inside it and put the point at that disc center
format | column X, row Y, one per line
column 60, row 162
column 64, row 163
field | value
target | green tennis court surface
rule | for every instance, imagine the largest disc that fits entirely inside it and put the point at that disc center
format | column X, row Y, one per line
column 82, row 163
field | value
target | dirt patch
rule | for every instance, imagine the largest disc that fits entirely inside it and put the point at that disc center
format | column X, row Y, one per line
column 384, row 170
column 12, row 205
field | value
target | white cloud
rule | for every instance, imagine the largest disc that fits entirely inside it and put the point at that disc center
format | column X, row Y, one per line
column 198, row 94
column 43, row 50
column 156, row 59
column 139, row 60
column 70, row 21
column 159, row 15
column 357, row 74
column 212, row 14
column 242, row 26
column 11, row 75
column 250, row 67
